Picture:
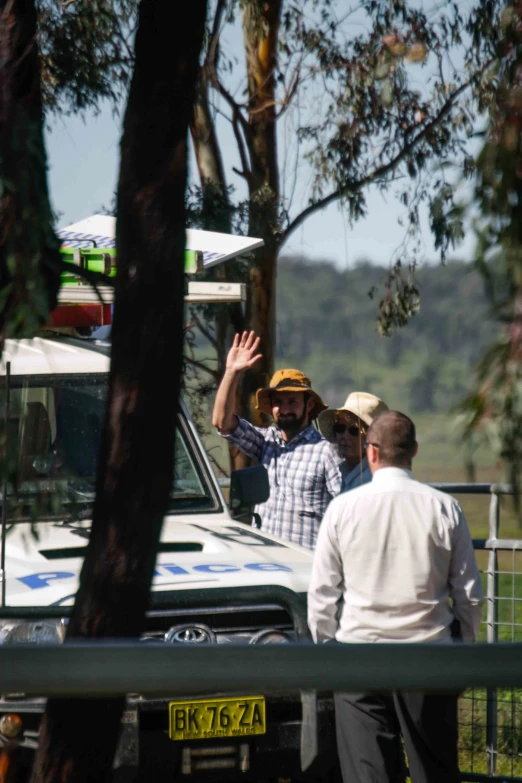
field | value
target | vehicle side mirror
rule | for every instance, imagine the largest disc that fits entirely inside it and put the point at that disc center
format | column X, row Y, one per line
column 248, row 487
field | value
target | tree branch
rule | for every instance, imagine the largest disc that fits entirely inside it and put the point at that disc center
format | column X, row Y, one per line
column 94, row 278
column 382, row 171
column 216, row 84
column 240, row 173
column 241, row 148
column 214, row 460
column 204, row 331
column 210, row 69
column 201, row 366
column 284, row 102
column 125, row 43
column 239, row 123
column 211, row 60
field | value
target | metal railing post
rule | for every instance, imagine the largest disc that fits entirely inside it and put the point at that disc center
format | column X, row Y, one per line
column 492, row 629
column 3, row 522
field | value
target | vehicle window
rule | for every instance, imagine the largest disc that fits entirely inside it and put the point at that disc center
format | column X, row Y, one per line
column 187, row 480
column 54, row 427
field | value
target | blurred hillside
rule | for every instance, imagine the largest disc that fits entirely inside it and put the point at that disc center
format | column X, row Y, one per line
column 326, row 325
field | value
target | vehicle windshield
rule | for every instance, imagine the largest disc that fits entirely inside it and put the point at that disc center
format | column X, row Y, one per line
column 54, row 426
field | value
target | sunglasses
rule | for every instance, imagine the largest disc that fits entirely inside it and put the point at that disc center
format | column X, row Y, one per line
column 352, row 429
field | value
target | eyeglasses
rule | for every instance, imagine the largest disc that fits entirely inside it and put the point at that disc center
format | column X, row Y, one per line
column 369, row 443
column 352, row 429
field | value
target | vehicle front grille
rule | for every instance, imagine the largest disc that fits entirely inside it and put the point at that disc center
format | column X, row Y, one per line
column 238, row 624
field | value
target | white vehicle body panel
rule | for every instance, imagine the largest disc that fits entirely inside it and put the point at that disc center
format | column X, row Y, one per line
column 50, row 357
column 34, row 579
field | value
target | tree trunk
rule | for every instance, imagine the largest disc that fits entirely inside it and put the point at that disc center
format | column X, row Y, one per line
column 217, row 211
column 260, row 318
column 78, row 738
column 29, row 249
column 208, row 156
column 261, row 33
column 261, row 24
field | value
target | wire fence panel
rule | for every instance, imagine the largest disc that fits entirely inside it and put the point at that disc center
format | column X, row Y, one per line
column 490, row 719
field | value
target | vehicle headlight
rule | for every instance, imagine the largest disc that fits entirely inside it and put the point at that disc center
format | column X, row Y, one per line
column 32, row 631
column 271, row 636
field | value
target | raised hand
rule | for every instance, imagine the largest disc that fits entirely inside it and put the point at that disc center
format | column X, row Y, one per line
column 243, row 354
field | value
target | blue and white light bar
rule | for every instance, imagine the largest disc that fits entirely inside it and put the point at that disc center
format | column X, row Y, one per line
column 100, row 231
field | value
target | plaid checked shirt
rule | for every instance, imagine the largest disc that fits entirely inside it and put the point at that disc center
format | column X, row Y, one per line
column 304, row 476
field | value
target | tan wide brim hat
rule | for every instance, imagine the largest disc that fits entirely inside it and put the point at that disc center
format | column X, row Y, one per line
column 366, row 407
column 288, row 381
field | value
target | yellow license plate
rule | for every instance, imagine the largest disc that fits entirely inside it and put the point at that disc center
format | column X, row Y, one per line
column 207, row 718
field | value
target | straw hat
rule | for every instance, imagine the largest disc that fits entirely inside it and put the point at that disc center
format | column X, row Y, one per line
column 288, row 381
column 361, row 404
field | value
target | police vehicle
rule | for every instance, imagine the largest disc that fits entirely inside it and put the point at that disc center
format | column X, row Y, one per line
column 216, row 581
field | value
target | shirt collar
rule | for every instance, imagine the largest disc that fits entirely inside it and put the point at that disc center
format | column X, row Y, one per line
column 307, row 434
column 385, row 473
column 357, row 470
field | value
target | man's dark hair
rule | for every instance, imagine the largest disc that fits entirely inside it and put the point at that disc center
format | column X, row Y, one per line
column 393, row 434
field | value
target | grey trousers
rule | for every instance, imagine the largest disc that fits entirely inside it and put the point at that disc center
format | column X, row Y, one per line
column 369, row 728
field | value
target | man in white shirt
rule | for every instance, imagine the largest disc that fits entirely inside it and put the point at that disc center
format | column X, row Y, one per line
column 390, row 557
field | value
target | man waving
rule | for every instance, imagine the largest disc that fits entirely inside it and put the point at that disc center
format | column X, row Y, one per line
column 303, row 473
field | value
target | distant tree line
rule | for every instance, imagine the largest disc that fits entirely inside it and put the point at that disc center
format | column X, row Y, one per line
column 326, row 325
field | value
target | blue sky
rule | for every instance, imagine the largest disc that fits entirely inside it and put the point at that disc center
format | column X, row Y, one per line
column 83, row 157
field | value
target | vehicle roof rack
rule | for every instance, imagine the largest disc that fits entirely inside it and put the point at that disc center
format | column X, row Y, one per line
column 90, row 244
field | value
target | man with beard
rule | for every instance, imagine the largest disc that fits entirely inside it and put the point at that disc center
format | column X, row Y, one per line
column 303, row 472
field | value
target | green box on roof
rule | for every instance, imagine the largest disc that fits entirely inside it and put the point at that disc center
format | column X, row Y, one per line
column 103, row 260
